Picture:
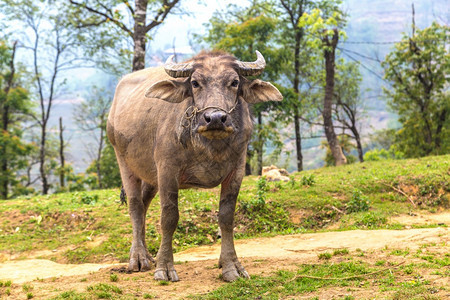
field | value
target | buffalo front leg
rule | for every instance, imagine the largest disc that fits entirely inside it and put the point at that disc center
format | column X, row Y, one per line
column 168, row 194
column 231, row 267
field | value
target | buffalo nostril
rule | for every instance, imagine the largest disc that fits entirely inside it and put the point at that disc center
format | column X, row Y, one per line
column 218, row 117
column 207, row 118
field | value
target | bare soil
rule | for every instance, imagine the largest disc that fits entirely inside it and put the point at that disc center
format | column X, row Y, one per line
column 198, row 272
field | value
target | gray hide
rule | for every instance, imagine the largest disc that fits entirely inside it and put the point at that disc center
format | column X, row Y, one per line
column 186, row 132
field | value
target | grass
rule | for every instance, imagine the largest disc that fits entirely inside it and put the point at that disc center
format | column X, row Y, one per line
column 357, row 277
column 97, row 291
column 358, row 196
column 308, row 279
column 93, row 227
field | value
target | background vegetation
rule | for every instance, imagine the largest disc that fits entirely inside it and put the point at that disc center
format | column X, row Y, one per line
column 308, row 57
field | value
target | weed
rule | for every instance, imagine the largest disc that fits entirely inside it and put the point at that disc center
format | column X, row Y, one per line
column 148, row 296
column 400, row 252
column 358, row 203
column 380, row 263
column 7, row 283
column 30, row 295
column 72, row 295
column 408, row 269
column 89, row 199
column 370, row 220
column 261, row 191
column 325, row 255
column 27, row 287
column 103, row 291
column 292, row 181
column 163, row 282
column 308, row 180
column 113, row 278
column 340, row 252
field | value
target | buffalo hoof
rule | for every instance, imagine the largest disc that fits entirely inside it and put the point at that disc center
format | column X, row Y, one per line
column 140, row 261
column 167, row 274
column 233, row 271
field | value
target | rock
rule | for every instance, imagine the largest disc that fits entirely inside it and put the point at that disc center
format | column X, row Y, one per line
column 272, row 173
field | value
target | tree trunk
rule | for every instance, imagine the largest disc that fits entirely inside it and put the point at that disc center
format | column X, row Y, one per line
column 298, row 140
column 259, row 150
column 99, row 154
column 358, row 145
column 329, row 53
column 62, row 174
column 298, row 135
column 4, row 168
column 139, row 35
column 42, row 159
column 248, row 167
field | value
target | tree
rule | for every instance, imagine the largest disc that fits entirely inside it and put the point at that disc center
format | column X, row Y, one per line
column 241, row 32
column 91, row 116
column 349, row 107
column 52, row 46
column 418, row 70
column 294, row 9
column 97, row 20
column 14, row 105
column 326, row 28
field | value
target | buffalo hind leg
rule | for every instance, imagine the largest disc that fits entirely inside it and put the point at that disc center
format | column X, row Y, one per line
column 231, row 267
column 139, row 197
column 148, row 193
column 168, row 194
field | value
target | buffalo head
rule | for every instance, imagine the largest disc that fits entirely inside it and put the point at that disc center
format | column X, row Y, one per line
column 214, row 84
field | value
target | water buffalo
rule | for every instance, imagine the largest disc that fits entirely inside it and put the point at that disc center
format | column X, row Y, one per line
column 185, row 125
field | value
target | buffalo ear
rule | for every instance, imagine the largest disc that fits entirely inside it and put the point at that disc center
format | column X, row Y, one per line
column 173, row 91
column 257, row 91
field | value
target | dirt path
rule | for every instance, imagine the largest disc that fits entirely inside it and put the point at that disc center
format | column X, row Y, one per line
column 197, row 269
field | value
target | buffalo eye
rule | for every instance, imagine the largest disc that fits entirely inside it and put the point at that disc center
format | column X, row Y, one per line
column 195, row 84
column 235, row 83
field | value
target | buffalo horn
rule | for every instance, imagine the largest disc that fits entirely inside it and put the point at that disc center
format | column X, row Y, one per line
column 177, row 70
column 252, row 68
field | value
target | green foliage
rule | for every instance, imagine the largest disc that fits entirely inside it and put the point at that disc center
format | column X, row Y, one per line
column 370, row 220
column 381, row 154
column 7, row 283
column 358, row 203
column 15, row 104
column 287, row 284
column 104, row 291
column 308, row 180
column 91, row 116
column 261, row 191
column 88, row 199
column 107, row 28
column 325, row 256
column 110, row 169
column 347, row 147
column 113, row 278
column 419, row 91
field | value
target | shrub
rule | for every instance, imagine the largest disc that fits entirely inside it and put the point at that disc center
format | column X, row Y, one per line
column 308, row 180
column 358, row 203
column 383, row 154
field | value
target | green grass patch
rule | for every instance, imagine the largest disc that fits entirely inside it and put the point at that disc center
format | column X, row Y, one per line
column 358, row 196
column 285, row 283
